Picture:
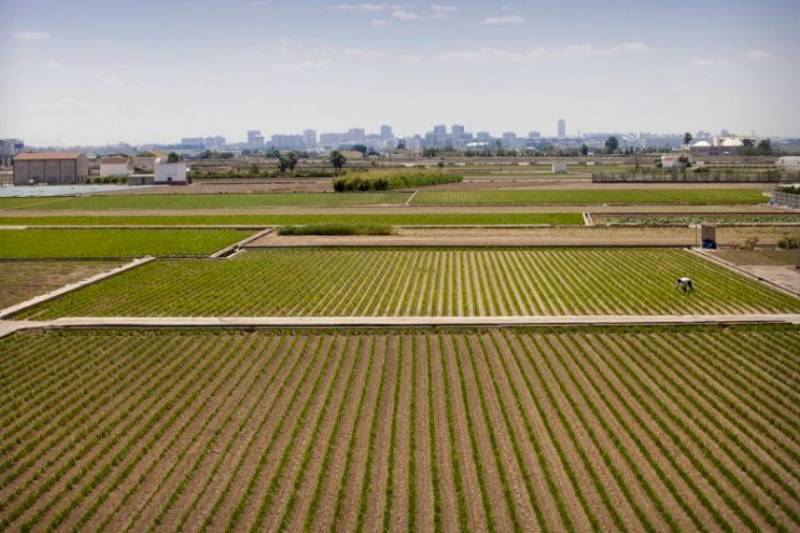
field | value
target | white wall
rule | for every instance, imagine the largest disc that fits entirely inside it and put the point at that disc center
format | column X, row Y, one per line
column 170, row 172
column 115, row 169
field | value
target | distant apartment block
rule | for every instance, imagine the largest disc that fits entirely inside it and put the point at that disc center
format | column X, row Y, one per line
column 53, row 168
column 254, row 139
column 386, row 132
column 562, row 128
column 287, row 142
column 310, row 138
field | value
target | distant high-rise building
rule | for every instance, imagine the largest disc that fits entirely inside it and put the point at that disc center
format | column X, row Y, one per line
column 310, row 138
column 440, row 130
column 458, row 130
column 357, row 134
column 562, row 128
column 534, row 135
column 193, row 142
column 386, row 132
column 255, row 139
column 8, row 149
column 287, row 142
column 483, row 136
column 216, row 141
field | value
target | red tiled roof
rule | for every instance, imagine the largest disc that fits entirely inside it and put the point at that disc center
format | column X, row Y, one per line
column 114, row 160
column 38, row 156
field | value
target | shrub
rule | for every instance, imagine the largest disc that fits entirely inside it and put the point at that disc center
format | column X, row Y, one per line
column 382, row 180
column 336, row 229
column 789, row 243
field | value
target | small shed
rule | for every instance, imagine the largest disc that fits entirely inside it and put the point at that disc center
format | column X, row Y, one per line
column 559, row 167
column 167, row 173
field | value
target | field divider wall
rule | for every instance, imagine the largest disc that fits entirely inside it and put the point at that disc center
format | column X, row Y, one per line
column 235, row 247
column 8, row 311
column 391, row 322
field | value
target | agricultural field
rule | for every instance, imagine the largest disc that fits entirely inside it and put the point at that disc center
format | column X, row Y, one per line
column 423, row 282
column 592, row 196
column 649, row 429
column 393, row 219
column 206, row 201
column 68, row 243
column 22, row 280
column 652, row 219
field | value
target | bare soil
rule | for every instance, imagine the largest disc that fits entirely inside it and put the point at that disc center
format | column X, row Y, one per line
column 22, row 280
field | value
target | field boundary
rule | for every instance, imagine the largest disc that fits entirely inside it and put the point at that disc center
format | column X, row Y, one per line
column 36, row 300
column 266, row 322
column 230, row 250
column 739, row 270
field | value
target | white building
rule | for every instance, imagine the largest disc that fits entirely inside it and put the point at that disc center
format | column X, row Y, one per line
column 789, row 165
column 669, row 161
column 116, row 166
column 170, row 173
column 559, row 167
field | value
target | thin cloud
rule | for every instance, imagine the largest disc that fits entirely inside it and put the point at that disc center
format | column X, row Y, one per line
column 112, row 82
column 31, row 36
column 439, row 11
column 757, row 55
column 52, row 64
column 258, row 3
column 310, row 64
column 540, row 54
column 706, row 62
column 401, row 13
column 504, row 19
column 379, row 23
column 366, row 7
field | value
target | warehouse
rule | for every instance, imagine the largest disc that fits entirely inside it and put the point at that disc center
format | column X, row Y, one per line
column 52, row 168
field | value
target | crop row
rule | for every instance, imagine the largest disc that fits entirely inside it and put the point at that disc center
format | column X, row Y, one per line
column 54, row 243
column 709, row 196
column 395, row 219
column 625, row 429
column 423, row 282
column 591, row 197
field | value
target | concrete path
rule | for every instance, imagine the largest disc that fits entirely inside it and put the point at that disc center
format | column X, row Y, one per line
column 7, row 327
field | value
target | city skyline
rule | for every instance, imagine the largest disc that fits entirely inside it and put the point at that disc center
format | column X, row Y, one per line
column 156, row 71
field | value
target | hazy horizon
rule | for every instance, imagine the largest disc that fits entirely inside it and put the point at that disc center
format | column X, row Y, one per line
column 91, row 72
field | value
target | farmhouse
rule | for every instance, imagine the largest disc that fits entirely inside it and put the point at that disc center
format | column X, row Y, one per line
column 116, row 166
column 145, row 162
column 53, row 168
column 169, row 173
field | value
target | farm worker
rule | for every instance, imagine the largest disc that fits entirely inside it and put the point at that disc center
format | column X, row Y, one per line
column 685, row 284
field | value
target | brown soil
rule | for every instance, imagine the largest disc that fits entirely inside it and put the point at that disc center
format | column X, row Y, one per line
column 22, row 280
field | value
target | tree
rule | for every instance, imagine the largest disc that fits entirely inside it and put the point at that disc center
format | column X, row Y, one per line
column 253, row 169
column 291, row 161
column 283, row 163
column 764, row 146
column 687, row 139
column 585, row 154
column 360, row 148
column 612, row 144
column 337, row 160
column 172, row 157
column 206, row 154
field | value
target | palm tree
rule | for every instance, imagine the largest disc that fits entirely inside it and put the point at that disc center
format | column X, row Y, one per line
column 687, row 138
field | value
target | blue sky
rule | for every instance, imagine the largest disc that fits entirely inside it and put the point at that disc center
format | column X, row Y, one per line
column 98, row 71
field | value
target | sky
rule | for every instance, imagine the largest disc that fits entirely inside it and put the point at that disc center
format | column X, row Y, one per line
column 94, row 72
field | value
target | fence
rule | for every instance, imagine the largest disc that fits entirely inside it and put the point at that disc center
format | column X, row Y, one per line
column 786, row 199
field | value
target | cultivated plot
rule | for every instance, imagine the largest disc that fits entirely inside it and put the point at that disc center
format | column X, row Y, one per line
column 22, row 280
column 423, row 282
column 592, row 196
column 47, row 243
column 394, row 219
column 655, row 429
column 207, row 201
